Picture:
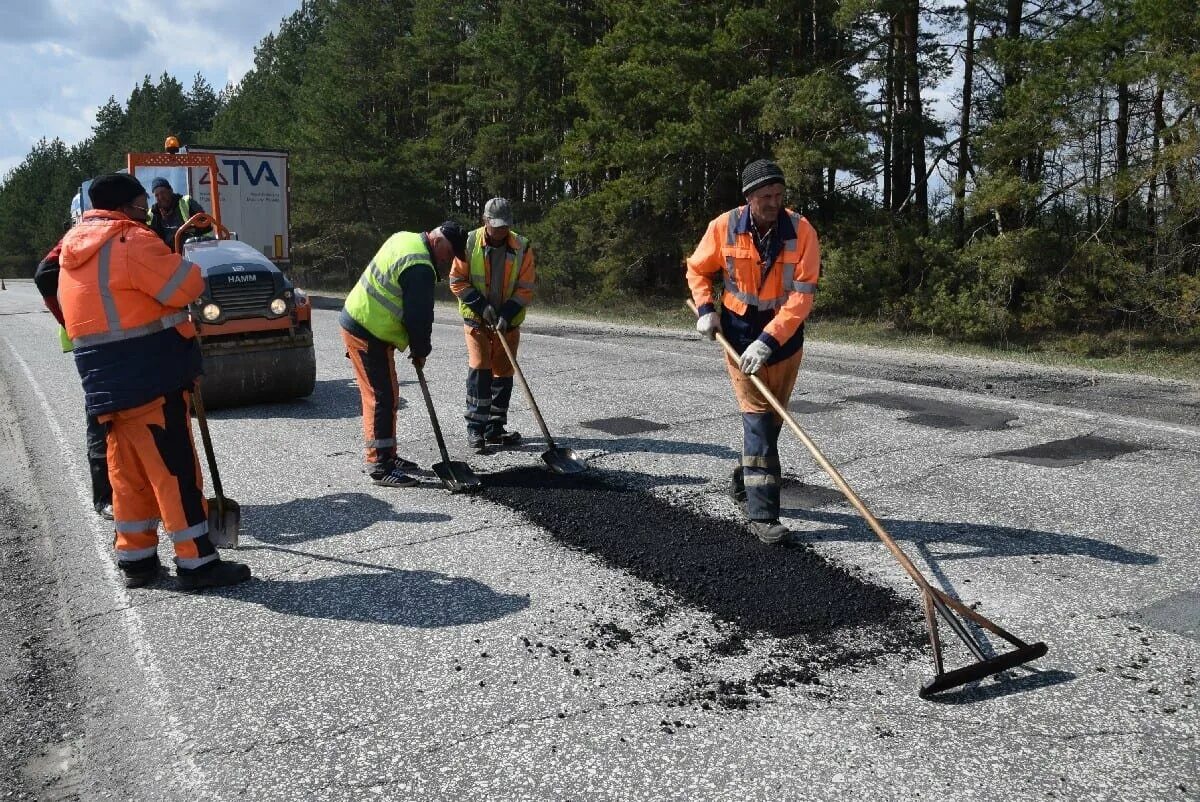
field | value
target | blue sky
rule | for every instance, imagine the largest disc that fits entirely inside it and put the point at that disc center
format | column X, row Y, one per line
column 62, row 60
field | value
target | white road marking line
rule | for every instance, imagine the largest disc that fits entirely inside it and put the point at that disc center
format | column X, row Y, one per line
column 123, row 608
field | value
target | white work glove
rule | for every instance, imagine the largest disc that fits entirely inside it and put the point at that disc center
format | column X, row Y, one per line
column 754, row 357
column 709, row 324
column 489, row 316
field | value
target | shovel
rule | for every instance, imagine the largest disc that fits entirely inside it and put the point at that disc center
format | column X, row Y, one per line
column 224, row 514
column 456, row 476
column 936, row 601
column 558, row 458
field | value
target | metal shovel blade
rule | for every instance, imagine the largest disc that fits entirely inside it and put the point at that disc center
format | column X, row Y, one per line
column 223, row 529
column 563, row 460
column 457, row 476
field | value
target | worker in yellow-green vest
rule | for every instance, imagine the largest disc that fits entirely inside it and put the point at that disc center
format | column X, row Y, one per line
column 170, row 211
column 391, row 308
column 494, row 284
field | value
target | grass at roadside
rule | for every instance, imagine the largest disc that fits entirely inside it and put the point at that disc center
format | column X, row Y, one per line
column 1117, row 352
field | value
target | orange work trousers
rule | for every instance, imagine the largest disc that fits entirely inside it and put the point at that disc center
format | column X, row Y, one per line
column 156, row 477
column 374, row 362
column 485, row 353
column 780, row 379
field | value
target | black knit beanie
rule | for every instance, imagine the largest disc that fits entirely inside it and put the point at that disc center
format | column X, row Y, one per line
column 759, row 174
column 115, row 190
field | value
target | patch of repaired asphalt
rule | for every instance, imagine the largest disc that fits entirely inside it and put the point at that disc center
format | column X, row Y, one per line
column 799, row 496
column 796, row 612
column 939, row 414
column 1178, row 613
column 623, row 426
column 1069, row 452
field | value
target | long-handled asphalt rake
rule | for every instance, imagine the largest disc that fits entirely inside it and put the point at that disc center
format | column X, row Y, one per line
column 937, row 602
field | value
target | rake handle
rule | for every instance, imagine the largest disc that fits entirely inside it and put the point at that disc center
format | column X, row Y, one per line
column 826, row 466
column 437, row 430
column 512, row 358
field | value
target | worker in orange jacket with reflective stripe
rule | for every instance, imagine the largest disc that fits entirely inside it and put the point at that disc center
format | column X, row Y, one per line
column 124, row 299
column 769, row 260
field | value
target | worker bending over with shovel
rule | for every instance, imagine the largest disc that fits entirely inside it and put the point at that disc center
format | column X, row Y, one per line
column 769, row 260
column 391, row 307
column 124, row 299
column 494, row 284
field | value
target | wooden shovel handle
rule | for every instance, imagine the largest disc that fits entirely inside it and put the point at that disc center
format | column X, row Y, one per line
column 537, row 413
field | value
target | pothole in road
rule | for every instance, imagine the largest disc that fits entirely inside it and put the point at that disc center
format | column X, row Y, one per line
column 803, row 407
column 1069, row 452
column 623, row 426
column 803, row 612
column 939, row 414
column 799, row 496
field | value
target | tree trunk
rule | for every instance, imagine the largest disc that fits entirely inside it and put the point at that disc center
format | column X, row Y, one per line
column 916, row 118
column 901, row 156
column 964, row 132
column 889, row 114
column 1120, row 191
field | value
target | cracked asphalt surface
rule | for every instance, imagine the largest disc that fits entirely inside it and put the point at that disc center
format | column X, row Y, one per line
column 411, row 644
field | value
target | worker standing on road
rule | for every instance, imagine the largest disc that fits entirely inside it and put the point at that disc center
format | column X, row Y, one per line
column 769, row 260
column 46, row 280
column 391, row 307
column 494, row 284
column 124, row 300
column 171, row 210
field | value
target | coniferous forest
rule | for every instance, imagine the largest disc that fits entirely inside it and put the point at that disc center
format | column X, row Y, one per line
column 986, row 170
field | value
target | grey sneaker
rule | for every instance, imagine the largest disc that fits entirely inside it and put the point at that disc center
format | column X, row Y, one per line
column 105, row 510
column 770, row 532
column 396, row 477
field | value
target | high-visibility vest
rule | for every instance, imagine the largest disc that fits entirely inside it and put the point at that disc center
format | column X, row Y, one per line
column 745, row 284
column 185, row 206
column 377, row 301
column 503, row 288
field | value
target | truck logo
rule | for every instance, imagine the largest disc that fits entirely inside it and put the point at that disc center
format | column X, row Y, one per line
column 242, row 279
column 238, row 166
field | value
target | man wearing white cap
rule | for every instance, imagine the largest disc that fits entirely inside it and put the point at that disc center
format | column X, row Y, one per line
column 494, row 284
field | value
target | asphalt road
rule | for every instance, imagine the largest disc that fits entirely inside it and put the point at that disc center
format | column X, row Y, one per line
column 622, row 638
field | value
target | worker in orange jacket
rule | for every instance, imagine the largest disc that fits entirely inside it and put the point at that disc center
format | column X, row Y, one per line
column 494, row 285
column 769, row 260
column 124, row 299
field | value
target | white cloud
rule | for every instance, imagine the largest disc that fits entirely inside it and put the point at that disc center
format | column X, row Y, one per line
column 68, row 58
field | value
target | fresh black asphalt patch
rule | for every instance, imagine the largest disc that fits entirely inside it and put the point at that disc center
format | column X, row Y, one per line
column 939, row 414
column 783, row 614
column 1069, row 452
column 799, row 496
column 624, row 426
column 707, row 562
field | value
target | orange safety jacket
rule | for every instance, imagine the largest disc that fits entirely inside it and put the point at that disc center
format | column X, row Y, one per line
column 124, row 299
column 760, row 302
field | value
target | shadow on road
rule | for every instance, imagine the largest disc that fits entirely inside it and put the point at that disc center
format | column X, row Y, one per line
column 331, row 399
column 420, row 599
column 982, row 540
column 1003, row 685
column 304, row 519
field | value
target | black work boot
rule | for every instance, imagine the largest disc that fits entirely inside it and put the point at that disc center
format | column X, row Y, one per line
column 770, row 532
column 139, row 573
column 215, row 574
column 477, row 443
column 499, row 437
column 737, row 488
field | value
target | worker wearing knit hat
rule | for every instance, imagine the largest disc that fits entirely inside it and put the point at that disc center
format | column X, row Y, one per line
column 761, row 173
column 768, row 259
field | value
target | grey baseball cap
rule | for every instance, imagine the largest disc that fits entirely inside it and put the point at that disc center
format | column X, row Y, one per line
column 498, row 212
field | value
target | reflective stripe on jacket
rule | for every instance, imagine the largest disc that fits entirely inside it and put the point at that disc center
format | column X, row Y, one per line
column 472, row 281
column 124, row 299
column 377, row 301
column 768, row 302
